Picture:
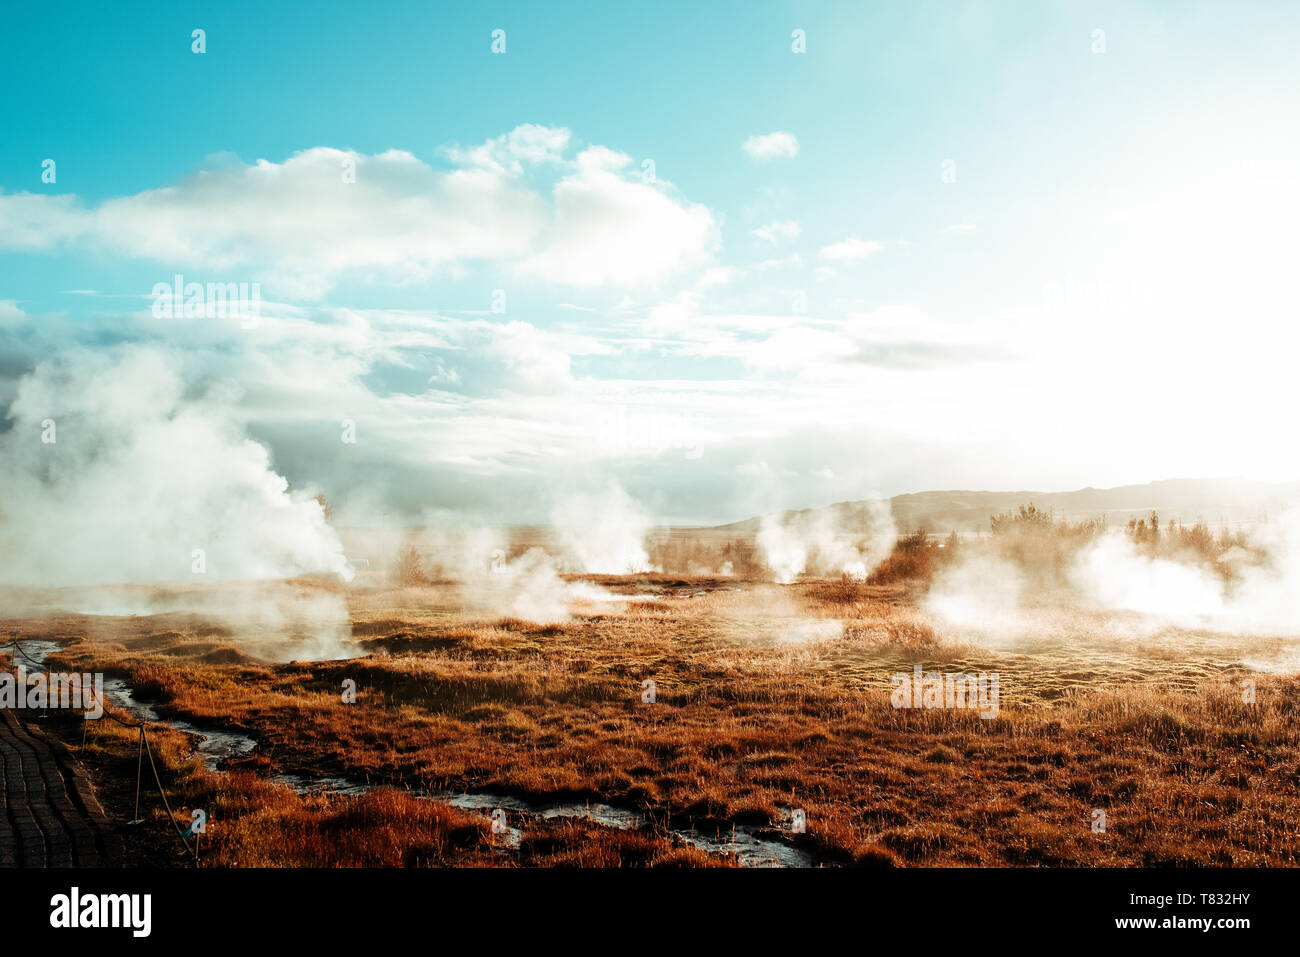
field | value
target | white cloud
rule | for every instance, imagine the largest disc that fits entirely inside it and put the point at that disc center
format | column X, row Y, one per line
column 34, row 222
column 798, row 349
column 442, row 373
column 527, row 143
column 787, row 262
column 299, row 227
column 778, row 145
column 719, row 276
column 778, row 230
column 297, row 224
column 532, row 359
column 513, row 408
column 9, row 311
column 851, row 250
column 610, row 230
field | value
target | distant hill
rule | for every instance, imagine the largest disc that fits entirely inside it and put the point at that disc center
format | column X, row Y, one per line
column 1217, row 501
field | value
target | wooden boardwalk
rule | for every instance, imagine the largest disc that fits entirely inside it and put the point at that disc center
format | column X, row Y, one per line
column 50, row 817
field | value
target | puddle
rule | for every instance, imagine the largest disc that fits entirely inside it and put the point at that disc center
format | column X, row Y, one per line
column 216, row 747
column 322, row 785
column 749, row 849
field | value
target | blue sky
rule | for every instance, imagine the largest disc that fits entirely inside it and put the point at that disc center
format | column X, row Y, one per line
column 743, row 331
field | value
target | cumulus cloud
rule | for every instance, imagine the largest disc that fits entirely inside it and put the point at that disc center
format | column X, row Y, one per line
column 609, row 229
column 527, row 143
column 302, row 225
column 532, row 359
column 298, row 224
column 766, row 146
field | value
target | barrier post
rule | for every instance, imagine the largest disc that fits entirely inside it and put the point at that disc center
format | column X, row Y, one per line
column 139, row 764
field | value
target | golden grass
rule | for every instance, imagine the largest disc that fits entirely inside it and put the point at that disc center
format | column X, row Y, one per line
column 768, row 698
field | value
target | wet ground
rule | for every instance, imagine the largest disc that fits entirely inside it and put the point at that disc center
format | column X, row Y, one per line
column 216, row 746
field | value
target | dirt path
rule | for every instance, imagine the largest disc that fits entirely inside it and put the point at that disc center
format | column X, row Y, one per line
column 50, row 817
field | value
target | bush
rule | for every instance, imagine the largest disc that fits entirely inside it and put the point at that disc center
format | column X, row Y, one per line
column 915, row 556
column 1042, row 546
column 410, row 567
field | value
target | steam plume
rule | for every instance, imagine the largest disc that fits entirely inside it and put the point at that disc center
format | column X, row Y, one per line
column 113, row 472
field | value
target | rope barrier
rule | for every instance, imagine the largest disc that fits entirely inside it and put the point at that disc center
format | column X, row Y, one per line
column 39, row 664
column 170, row 816
column 144, row 748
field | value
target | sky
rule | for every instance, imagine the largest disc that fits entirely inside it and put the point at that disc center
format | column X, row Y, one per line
column 730, row 256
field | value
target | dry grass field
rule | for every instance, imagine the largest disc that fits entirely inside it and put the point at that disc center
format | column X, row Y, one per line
column 767, row 699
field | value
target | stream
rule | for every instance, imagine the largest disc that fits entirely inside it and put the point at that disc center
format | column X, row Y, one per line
column 214, row 747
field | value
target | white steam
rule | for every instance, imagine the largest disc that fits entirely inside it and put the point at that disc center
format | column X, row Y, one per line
column 111, row 472
column 1113, row 575
column 827, row 541
column 981, row 594
column 602, row 533
column 530, row 586
column 1261, row 594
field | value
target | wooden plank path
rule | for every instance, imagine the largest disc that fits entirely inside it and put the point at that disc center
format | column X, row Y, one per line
column 49, row 815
